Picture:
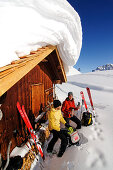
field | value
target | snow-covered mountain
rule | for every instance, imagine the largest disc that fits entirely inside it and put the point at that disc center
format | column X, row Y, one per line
column 104, row 67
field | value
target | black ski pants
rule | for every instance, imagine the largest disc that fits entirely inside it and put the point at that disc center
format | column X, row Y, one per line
column 64, row 141
column 74, row 119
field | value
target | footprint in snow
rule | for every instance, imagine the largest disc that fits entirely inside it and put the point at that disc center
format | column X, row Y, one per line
column 97, row 133
column 69, row 165
column 95, row 158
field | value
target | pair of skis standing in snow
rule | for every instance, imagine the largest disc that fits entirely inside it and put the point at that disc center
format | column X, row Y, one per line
column 30, row 128
column 87, row 116
column 90, row 98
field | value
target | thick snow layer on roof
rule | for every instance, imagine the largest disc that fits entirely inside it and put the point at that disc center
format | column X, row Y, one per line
column 29, row 25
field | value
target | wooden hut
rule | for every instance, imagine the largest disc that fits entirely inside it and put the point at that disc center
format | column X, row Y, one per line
column 29, row 80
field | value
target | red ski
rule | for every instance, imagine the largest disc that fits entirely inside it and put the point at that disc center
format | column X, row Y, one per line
column 90, row 98
column 83, row 98
column 29, row 126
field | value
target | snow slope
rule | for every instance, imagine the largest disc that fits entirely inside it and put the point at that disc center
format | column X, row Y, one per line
column 96, row 150
column 28, row 25
column 72, row 71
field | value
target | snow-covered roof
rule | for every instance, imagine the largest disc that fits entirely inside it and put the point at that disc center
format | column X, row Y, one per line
column 13, row 72
column 28, row 25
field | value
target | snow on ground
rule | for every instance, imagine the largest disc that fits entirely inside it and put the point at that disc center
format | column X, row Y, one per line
column 72, row 71
column 28, row 25
column 96, row 150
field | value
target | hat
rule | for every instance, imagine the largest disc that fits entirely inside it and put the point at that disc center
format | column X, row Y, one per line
column 70, row 93
column 56, row 103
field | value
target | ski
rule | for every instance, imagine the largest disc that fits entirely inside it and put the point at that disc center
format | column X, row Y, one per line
column 29, row 126
column 83, row 98
column 90, row 98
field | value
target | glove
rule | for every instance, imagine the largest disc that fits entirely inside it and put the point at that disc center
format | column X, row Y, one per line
column 70, row 130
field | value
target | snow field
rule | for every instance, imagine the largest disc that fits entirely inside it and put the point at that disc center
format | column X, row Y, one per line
column 97, row 153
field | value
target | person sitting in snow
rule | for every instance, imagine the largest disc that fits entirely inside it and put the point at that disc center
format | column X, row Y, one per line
column 55, row 117
column 67, row 108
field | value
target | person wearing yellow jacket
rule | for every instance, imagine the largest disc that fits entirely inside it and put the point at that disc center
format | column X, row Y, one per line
column 55, row 117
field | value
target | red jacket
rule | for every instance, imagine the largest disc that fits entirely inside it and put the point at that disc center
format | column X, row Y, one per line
column 67, row 107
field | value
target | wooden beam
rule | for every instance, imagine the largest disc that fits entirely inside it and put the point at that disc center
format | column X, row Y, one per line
column 31, row 55
column 54, row 67
column 57, row 82
column 8, row 81
column 44, row 60
column 6, row 72
column 61, row 64
column 7, row 67
column 36, row 52
column 22, row 60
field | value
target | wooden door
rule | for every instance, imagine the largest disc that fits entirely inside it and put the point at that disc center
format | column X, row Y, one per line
column 37, row 98
column 46, row 98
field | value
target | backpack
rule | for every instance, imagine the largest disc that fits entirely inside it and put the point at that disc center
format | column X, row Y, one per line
column 74, row 135
column 87, row 119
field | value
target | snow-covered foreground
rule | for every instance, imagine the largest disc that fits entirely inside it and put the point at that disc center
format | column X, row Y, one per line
column 96, row 150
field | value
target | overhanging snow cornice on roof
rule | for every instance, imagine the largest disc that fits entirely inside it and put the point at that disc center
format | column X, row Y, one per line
column 11, row 74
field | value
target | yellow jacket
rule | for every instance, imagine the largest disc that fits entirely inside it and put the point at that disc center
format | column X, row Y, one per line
column 55, row 117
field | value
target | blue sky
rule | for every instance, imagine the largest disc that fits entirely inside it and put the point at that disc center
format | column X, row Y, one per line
column 97, row 25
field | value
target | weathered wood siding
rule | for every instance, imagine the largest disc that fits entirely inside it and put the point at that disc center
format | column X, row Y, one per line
column 21, row 92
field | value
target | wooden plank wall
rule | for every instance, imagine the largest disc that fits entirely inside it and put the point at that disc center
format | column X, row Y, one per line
column 20, row 92
column 37, row 98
